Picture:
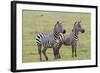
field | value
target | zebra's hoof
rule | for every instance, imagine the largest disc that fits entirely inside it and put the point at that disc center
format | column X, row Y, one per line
column 59, row 57
column 75, row 55
column 46, row 59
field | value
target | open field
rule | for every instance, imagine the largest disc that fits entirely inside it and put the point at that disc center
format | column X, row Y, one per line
column 40, row 21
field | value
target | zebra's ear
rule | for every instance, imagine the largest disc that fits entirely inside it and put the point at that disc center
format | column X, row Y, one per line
column 75, row 23
column 57, row 22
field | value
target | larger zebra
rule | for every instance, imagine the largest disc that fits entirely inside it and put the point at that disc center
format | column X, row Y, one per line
column 48, row 40
column 70, row 39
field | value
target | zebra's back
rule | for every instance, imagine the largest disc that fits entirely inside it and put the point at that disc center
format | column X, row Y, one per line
column 67, row 39
column 45, row 40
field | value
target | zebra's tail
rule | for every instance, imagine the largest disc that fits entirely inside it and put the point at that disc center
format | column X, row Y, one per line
column 38, row 42
column 38, row 39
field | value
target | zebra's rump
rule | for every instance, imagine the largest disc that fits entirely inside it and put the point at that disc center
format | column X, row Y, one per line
column 45, row 40
column 41, row 37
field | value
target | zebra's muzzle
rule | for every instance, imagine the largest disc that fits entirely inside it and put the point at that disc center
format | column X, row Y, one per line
column 64, row 31
column 83, row 31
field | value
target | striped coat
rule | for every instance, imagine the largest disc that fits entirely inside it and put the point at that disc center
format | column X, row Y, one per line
column 71, row 38
column 48, row 40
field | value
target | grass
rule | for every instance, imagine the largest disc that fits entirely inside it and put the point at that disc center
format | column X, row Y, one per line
column 40, row 21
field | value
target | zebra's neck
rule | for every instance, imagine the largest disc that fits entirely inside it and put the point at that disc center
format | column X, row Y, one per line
column 75, row 35
column 55, row 35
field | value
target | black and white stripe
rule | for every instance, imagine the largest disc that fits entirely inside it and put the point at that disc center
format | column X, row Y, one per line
column 61, row 38
column 45, row 40
column 72, row 38
column 49, row 40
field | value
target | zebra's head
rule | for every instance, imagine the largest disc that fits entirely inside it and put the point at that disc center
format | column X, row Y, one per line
column 77, row 27
column 58, row 28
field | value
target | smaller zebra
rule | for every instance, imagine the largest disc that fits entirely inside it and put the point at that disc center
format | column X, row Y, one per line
column 71, row 38
column 48, row 40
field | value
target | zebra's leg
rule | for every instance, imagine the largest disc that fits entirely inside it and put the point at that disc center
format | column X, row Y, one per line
column 58, row 53
column 39, row 51
column 76, row 50
column 54, row 52
column 44, row 53
column 72, row 50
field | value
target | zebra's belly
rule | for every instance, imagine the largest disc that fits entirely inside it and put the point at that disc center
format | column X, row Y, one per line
column 48, row 46
column 67, row 41
column 51, row 45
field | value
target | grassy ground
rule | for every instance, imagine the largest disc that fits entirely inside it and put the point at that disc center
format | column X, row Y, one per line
column 39, row 21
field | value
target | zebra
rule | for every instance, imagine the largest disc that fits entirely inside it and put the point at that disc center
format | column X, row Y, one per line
column 70, row 38
column 48, row 40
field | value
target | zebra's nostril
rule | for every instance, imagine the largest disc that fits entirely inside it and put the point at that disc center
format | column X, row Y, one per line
column 64, row 31
column 83, row 31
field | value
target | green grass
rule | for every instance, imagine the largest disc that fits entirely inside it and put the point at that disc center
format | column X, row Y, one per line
column 40, row 21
